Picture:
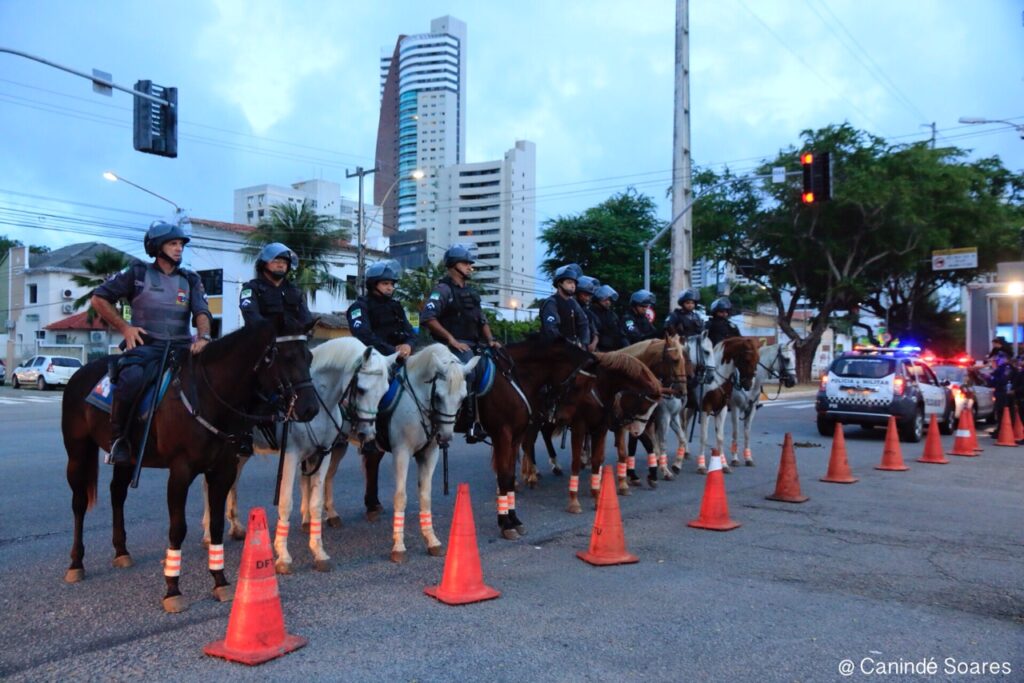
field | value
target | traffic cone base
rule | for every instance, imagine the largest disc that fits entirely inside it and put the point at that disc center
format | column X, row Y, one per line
column 714, row 507
column 892, row 457
column 933, row 445
column 838, row 466
column 1006, row 430
column 787, row 485
column 963, row 443
column 1018, row 427
column 975, row 446
column 608, row 540
column 256, row 626
column 463, row 580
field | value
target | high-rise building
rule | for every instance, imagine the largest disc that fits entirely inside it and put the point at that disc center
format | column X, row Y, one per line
column 422, row 124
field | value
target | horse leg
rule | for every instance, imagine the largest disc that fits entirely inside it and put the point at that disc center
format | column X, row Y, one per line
column 634, row 480
column 82, row 474
column 657, row 430
column 427, row 459
column 178, row 481
column 720, row 438
column 504, row 465
column 331, row 515
column 578, row 443
column 652, row 459
column 676, row 423
column 236, row 528
column 552, row 453
column 283, row 565
column 734, row 417
column 321, row 560
column 219, row 482
column 596, row 463
column 118, row 494
column 748, row 423
column 371, row 473
column 513, row 519
column 398, row 550
column 623, row 466
column 528, row 468
column 702, row 467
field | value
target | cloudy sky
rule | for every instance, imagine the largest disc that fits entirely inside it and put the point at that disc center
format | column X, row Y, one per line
column 276, row 92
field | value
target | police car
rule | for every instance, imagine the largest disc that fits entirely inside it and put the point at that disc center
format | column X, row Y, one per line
column 966, row 383
column 866, row 386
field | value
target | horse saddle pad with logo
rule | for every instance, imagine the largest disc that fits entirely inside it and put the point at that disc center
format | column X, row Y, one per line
column 482, row 379
column 102, row 395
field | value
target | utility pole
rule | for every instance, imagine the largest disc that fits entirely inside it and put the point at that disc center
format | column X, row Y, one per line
column 932, row 126
column 682, row 188
column 361, row 231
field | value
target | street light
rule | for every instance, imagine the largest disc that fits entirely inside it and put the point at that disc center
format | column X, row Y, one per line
column 113, row 177
column 415, row 174
column 515, row 310
column 977, row 120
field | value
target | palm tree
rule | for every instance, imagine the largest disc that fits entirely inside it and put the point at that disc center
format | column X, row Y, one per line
column 99, row 269
column 311, row 236
column 414, row 286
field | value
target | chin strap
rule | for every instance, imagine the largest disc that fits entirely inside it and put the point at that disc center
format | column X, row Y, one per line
column 165, row 257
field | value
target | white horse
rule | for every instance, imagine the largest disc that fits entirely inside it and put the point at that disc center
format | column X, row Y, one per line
column 350, row 379
column 433, row 386
column 777, row 366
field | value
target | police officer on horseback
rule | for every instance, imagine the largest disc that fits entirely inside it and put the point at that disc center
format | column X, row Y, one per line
column 376, row 319
column 560, row 314
column 271, row 292
column 636, row 327
column 719, row 326
column 164, row 299
column 609, row 333
column 586, row 287
column 685, row 321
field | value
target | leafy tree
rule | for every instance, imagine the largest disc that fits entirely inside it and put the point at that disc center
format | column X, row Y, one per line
column 414, row 285
column 312, row 236
column 607, row 243
column 99, row 268
column 6, row 243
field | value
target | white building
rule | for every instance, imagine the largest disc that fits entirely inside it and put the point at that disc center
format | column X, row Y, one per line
column 491, row 205
column 422, row 124
column 252, row 204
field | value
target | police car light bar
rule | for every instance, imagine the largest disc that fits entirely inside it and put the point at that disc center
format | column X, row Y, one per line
column 886, row 349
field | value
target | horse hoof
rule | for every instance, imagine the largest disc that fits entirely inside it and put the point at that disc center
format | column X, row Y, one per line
column 324, row 566
column 652, row 483
column 702, row 470
column 206, row 543
column 574, row 507
column 175, row 604
column 435, row 550
column 122, row 562
column 334, row 522
column 624, row 491
column 668, row 475
column 238, row 534
column 305, row 527
column 557, row 471
column 532, row 482
column 510, row 534
column 224, row 593
column 677, row 469
column 748, row 463
column 735, row 462
column 520, row 529
column 373, row 514
column 399, row 556
column 74, row 575
column 283, row 567
column 726, row 469
column 634, row 481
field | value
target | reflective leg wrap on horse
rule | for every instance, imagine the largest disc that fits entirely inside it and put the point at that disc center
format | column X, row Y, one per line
column 513, row 518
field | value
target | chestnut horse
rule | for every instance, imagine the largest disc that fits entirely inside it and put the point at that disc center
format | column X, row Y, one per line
column 194, row 430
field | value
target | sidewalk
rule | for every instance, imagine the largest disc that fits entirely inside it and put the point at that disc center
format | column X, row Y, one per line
column 806, row 390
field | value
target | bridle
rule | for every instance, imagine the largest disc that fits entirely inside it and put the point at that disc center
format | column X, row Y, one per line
column 671, row 379
column 783, row 361
column 431, row 416
column 349, row 400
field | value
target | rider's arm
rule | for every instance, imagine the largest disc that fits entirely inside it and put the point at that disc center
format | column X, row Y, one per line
column 549, row 320
column 117, row 287
column 438, row 331
column 359, row 324
column 249, row 303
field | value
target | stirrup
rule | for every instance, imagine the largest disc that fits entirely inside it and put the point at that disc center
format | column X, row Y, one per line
column 475, row 433
column 120, row 452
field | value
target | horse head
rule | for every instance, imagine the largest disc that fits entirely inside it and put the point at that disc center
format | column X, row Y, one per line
column 743, row 352
column 448, row 379
column 787, row 365
column 635, row 388
column 284, row 370
column 701, row 354
column 675, row 367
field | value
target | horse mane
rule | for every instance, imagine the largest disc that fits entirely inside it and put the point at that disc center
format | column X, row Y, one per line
column 617, row 361
column 638, row 349
column 343, row 352
column 744, row 348
column 535, row 341
column 438, row 355
column 227, row 346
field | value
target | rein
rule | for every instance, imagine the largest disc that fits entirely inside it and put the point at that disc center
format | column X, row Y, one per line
column 432, row 424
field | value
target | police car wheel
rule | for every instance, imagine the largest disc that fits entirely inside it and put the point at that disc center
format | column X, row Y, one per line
column 913, row 429
column 826, row 427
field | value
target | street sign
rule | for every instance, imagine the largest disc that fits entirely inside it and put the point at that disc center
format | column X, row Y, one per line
column 778, row 174
column 100, row 79
column 953, row 259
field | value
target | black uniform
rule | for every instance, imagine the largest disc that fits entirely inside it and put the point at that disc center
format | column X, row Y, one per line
column 261, row 299
column 721, row 328
column 380, row 322
column 562, row 317
column 609, row 332
column 637, row 328
column 459, row 312
column 684, row 323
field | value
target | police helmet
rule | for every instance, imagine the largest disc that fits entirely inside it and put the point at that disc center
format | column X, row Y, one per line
column 606, row 292
column 161, row 233
column 641, row 297
column 587, row 284
column 457, row 253
column 276, row 250
column 689, row 295
column 722, row 303
column 382, row 271
column 569, row 271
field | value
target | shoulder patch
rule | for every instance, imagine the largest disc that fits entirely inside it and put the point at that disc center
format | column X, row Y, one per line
column 435, row 295
column 356, row 312
column 550, row 318
column 246, row 293
column 630, row 324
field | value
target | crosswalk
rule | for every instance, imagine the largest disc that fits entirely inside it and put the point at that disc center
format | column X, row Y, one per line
column 9, row 400
column 789, row 404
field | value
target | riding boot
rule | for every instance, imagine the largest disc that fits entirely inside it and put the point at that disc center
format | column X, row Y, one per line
column 121, row 447
column 475, row 431
column 245, row 446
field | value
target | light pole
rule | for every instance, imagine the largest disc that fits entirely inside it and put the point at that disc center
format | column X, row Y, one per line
column 978, row 120
column 515, row 310
column 361, row 223
column 113, row 177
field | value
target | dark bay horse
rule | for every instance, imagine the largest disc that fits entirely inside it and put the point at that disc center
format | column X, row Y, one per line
column 193, row 431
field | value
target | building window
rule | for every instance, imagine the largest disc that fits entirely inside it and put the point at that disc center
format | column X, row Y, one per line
column 33, row 294
column 61, row 339
column 213, row 281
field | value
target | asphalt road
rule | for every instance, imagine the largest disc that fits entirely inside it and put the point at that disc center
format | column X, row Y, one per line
column 895, row 571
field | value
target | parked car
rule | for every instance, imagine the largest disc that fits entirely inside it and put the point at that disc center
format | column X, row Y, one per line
column 3, row 371
column 966, row 384
column 44, row 372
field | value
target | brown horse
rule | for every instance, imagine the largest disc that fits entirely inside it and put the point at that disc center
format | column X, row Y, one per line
column 194, row 430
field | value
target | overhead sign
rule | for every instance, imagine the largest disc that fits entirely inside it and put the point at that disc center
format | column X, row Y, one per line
column 952, row 259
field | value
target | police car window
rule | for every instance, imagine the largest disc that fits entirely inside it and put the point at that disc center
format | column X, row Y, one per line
column 870, row 368
column 951, row 373
column 922, row 374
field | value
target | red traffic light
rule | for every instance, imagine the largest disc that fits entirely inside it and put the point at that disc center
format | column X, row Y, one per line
column 807, row 197
column 807, row 158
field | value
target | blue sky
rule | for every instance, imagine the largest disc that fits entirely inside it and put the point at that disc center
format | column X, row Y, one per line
column 275, row 91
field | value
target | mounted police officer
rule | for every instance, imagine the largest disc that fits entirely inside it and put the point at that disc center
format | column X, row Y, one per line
column 719, row 326
column 376, row 319
column 164, row 299
column 453, row 316
column 636, row 326
column 560, row 314
column 685, row 321
column 586, row 287
column 609, row 332
column 271, row 292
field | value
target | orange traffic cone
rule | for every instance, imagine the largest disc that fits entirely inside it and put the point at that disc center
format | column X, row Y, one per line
column 1018, row 428
column 787, row 485
column 463, row 580
column 975, row 446
column 933, row 445
column 1006, row 430
column 256, row 626
column 607, row 541
column 714, row 508
column 962, row 443
column 838, row 467
column 892, row 457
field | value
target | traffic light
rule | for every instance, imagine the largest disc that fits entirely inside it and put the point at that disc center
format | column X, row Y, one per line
column 156, row 125
column 817, row 169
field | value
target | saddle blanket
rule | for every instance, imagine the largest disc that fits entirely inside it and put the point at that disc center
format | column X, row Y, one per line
column 102, row 395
